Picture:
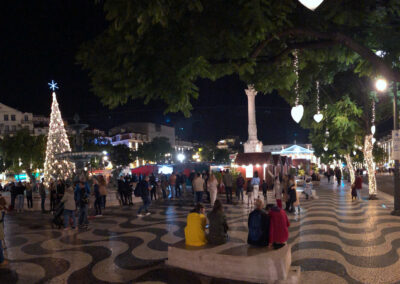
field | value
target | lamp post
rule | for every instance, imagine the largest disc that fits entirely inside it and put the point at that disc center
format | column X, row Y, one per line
column 381, row 86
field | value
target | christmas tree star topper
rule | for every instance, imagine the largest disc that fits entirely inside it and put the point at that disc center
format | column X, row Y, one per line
column 53, row 85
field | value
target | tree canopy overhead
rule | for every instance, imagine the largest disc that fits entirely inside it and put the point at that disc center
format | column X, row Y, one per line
column 158, row 49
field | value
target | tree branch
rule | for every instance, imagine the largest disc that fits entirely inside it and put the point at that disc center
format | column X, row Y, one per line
column 339, row 38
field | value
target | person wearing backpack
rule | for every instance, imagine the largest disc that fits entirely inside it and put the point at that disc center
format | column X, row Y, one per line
column 144, row 188
column 258, row 226
column 81, row 194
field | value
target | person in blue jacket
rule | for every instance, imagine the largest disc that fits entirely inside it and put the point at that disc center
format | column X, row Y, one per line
column 82, row 194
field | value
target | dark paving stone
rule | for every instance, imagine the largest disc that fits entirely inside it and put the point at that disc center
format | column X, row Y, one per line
column 8, row 276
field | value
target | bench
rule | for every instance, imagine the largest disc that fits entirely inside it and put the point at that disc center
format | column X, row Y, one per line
column 236, row 261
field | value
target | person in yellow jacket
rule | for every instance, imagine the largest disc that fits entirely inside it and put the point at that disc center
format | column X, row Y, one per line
column 195, row 230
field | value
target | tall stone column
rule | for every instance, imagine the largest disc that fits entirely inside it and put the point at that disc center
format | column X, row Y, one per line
column 252, row 145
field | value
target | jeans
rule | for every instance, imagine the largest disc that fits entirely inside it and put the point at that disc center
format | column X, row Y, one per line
column 1, row 251
column 146, row 204
column 29, row 201
column 67, row 215
column 42, row 204
column 122, row 196
column 228, row 191
column 239, row 193
column 199, row 197
column 359, row 194
column 172, row 191
column 13, row 196
column 20, row 201
column 97, row 205
column 83, row 214
column 178, row 190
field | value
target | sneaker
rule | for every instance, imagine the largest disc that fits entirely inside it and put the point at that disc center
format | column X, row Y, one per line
column 140, row 215
column 148, row 213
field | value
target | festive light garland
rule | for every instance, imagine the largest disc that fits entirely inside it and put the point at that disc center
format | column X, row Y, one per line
column 369, row 160
column 298, row 110
column 57, row 142
column 318, row 116
column 349, row 163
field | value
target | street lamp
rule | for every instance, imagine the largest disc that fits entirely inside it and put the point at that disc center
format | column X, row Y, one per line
column 181, row 157
column 381, row 86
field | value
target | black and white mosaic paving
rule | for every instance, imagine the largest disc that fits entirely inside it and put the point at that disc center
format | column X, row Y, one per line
column 334, row 239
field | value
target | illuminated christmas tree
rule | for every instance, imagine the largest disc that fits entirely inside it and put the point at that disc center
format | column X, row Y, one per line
column 57, row 142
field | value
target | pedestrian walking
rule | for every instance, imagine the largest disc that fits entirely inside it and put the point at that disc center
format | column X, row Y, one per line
column 102, row 190
column 42, row 193
column 212, row 185
column 98, row 200
column 338, row 174
column 172, row 184
column 68, row 201
column 255, row 182
column 29, row 195
column 153, row 185
column 3, row 208
column 358, row 185
column 239, row 187
column 291, row 198
column 20, row 189
column 144, row 189
column 198, row 187
column 228, row 182
column 82, row 195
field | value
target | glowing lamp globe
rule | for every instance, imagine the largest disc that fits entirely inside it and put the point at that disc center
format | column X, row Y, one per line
column 326, row 147
column 181, row 157
column 373, row 140
column 311, row 4
column 318, row 117
column 381, row 85
column 297, row 113
column 373, row 128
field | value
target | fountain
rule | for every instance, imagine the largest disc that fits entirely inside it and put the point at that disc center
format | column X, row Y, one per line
column 79, row 157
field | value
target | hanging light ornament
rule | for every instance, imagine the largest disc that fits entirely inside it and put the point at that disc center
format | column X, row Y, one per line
column 311, row 4
column 298, row 110
column 318, row 116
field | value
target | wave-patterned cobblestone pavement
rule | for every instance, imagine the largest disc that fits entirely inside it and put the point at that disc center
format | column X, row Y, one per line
column 334, row 239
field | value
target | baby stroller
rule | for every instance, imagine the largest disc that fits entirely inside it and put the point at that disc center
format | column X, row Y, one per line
column 57, row 219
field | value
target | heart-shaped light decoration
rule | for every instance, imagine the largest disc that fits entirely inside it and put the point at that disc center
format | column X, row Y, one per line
column 326, row 147
column 373, row 140
column 297, row 113
column 311, row 4
column 373, row 128
column 318, row 117
column 354, row 153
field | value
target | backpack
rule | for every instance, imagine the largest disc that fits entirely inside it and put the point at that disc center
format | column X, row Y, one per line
column 138, row 191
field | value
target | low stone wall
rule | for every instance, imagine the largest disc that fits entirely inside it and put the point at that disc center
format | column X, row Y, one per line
column 236, row 261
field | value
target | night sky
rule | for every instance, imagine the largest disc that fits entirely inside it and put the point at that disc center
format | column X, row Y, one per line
column 39, row 44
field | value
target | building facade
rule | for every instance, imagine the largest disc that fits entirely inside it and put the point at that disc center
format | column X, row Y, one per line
column 12, row 120
column 144, row 132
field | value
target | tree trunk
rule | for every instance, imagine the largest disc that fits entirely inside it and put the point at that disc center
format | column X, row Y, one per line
column 350, row 167
column 369, row 161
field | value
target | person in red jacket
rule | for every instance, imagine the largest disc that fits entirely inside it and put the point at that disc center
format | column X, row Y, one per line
column 278, row 228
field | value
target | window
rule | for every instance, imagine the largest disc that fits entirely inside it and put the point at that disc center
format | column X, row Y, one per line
column 6, row 117
column 14, row 128
column 26, row 117
column 13, row 117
